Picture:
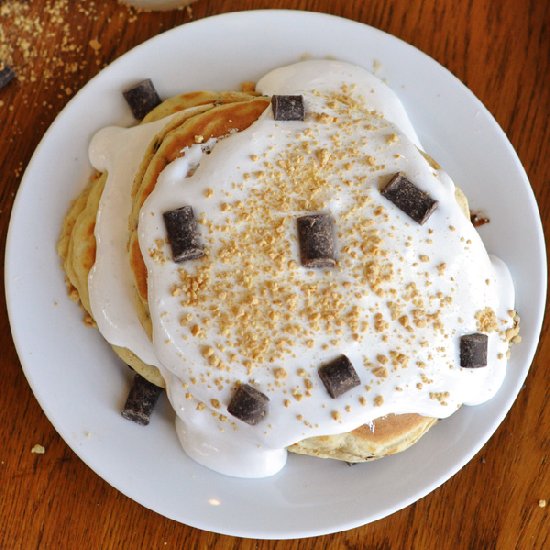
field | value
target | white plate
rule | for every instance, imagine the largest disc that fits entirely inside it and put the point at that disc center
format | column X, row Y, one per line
column 80, row 384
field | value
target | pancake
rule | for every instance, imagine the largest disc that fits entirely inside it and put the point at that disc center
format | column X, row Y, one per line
column 198, row 118
column 388, row 435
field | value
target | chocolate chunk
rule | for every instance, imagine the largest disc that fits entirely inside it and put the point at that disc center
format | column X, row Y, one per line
column 7, row 74
column 183, row 234
column 248, row 404
column 288, row 107
column 417, row 204
column 141, row 401
column 142, row 98
column 317, row 240
column 339, row 376
column 473, row 350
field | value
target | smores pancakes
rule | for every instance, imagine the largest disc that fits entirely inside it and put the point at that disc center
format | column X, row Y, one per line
column 301, row 270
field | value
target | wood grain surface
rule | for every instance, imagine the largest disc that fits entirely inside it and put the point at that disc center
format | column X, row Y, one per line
column 500, row 49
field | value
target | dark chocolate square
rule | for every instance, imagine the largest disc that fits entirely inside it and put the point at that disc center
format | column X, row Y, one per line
column 141, row 401
column 248, row 404
column 183, row 234
column 142, row 98
column 317, row 240
column 417, row 204
column 7, row 74
column 339, row 376
column 473, row 350
column 288, row 107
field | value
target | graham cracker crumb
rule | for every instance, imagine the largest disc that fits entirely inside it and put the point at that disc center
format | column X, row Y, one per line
column 380, row 372
column 279, row 373
column 486, row 320
column 95, row 45
column 440, row 396
column 38, row 449
column 248, row 86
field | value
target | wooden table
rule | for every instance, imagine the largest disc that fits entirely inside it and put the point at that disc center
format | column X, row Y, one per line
column 500, row 50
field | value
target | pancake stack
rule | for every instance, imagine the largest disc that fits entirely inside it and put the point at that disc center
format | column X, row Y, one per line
column 191, row 119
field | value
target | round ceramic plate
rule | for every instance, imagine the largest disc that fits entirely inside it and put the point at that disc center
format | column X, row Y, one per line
column 81, row 385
